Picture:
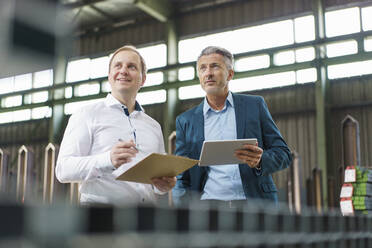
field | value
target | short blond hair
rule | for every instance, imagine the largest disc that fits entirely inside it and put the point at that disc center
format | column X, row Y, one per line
column 133, row 49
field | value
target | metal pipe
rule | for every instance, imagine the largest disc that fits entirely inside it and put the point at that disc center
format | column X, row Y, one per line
column 331, row 192
column 350, row 141
column 171, row 150
column 317, row 177
column 310, row 192
column 25, row 176
column 4, row 156
column 49, row 186
column 74, row 194
column 294, row 185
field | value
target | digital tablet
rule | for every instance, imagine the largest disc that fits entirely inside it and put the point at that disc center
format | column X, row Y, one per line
column 220, row 152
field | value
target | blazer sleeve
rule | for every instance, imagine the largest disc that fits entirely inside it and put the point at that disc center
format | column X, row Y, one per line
column 183, row 180
column 276, row 155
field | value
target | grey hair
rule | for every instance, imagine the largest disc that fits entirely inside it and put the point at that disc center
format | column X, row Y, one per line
column 228, row 57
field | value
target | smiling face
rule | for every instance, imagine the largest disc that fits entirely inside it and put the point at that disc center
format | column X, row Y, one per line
column 214, row 75
column 125, row 74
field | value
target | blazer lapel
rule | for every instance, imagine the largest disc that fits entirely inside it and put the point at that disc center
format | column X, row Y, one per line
column 199, row 122
column 240, row 116
column 198, row 129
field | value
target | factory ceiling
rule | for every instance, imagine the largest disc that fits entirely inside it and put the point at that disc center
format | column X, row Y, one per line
column 93, row 16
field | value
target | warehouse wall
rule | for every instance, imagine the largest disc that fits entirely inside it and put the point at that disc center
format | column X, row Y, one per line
column 292, row 107
column 209, row 20
column 190, row 24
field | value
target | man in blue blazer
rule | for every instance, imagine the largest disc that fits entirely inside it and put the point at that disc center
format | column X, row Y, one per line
column 224, row 115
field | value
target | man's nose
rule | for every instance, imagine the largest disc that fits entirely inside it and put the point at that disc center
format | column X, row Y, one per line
column 208, row 76
column 124, row 70
column 208, row 72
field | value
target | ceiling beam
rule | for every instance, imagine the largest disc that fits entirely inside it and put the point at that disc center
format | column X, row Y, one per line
column 159, row 9
column 81, row 3
column 101, row 12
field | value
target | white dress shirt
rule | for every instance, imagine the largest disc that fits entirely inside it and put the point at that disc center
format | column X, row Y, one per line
column 84, row 155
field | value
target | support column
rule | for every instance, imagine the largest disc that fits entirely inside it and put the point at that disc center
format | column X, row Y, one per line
column 322, row 101
column 59, row 77
column 169, row 120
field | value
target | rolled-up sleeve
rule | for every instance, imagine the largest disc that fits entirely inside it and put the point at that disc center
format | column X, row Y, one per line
column 74, row 163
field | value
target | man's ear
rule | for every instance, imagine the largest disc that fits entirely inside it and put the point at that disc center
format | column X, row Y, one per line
column 109, row 78
column 230, row 75
column 143, row 80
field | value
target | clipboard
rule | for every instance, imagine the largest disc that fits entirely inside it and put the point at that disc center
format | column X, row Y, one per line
column 152, row 166
column 221, row 152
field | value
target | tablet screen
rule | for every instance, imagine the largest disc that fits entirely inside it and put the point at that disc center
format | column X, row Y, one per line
column 220, row 152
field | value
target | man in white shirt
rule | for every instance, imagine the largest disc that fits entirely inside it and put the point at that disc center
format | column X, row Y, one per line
column 103, row 136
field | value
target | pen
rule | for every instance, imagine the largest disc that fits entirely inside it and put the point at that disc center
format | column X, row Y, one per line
column 135, row 147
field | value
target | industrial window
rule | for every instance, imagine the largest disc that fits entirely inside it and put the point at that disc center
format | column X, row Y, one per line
column 292, row 56
column 78, row 70
column 84, row 69
column 367, row 18
column 304, row 28
column 284, row 57
column 261, row 37
column 154, row 78
column 151, row 97
column 41, row 96
column 68, row 92
column 7, row 85
column 340, row 22
column 6, row 117
column 342, row 48
column 305, row 54
column 368, row 44
column 41, row 112
column 72, row 107
column 37, row 97
column 23, row 82
column 87, row 89
column 189, row 49
column 22, row 115
column 186, row 73
column 155, row 56
column 189, row 92
column 253, row 83
column 263, row 81
column 252, row 63
column 43, row 78
column 106, row 87
column 350, row 69
column 99, row 67
column 241, row 40
column 11, row 101
column 26, row 81
column 306, row 75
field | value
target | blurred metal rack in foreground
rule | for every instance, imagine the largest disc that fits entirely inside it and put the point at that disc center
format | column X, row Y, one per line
column 258, row 225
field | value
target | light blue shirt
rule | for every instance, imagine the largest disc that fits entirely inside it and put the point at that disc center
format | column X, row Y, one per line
column 224, row 181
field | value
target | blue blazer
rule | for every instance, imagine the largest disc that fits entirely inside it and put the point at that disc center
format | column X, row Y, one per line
column 253, row 120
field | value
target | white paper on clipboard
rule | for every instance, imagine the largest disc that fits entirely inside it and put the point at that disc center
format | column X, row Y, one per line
column 220, row 152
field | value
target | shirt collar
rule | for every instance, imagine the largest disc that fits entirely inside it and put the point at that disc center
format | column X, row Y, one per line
column 229, row 102
column 112, row 101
